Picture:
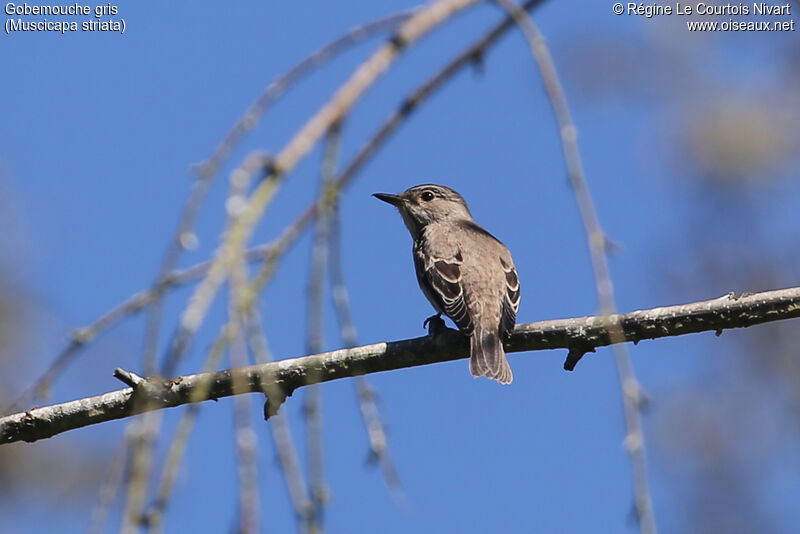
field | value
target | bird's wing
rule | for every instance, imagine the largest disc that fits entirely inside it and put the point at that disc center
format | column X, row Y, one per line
column 511, row 299
column 440, row 277
column 511, row 296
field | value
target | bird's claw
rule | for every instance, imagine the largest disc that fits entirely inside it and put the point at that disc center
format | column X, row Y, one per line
column 434, row 324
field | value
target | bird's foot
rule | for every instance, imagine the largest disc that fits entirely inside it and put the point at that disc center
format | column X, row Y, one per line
column 434, row 324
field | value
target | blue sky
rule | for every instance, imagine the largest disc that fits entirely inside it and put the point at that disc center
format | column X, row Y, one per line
column 98, row 135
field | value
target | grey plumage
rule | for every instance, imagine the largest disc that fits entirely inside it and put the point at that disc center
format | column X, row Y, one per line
column 464, row 271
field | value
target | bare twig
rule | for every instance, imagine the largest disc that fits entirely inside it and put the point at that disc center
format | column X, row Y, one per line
column 257, row 162
column 141, row 443
column 245, row 298
column 281, row 433
column 596, row 239
column 246, row 440
column 142, row 449
column 153, row 516
column 246, row 449
column 109, row 489
column 313, row 400
column 239, row 181
column 728, row 311
column 128, row 378
column 376, row 433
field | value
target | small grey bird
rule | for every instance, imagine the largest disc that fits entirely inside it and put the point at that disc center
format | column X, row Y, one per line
column 464, row 271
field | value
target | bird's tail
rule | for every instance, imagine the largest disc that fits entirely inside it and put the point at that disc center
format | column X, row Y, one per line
column 487, row 357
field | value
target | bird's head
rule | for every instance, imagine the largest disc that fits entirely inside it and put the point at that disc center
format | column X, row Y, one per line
column 428, row 203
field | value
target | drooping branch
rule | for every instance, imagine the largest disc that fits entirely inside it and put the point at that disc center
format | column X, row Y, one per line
column 597, row 242
column 581, row 334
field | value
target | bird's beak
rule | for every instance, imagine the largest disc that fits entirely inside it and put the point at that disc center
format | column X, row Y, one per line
column 394, row 200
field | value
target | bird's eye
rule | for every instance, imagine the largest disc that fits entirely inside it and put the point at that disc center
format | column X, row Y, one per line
column 427, row 196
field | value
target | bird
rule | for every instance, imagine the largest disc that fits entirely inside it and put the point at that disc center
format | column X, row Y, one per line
column 464, row 271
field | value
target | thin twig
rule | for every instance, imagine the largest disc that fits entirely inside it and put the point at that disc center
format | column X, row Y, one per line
column 726, row 312
column 239, row 182
column 312, row 409
column 596, row 239
column 142, row 434
column 246, row 440
column 108, row 489
column 246, row 450
column 153, row 516
column 257, row 162
column 246, row 299
column 281, row 433
column 143, row 447
column 376, row 432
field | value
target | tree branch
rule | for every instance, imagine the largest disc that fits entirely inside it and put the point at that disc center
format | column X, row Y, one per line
column 578, row 334
column 597, row 241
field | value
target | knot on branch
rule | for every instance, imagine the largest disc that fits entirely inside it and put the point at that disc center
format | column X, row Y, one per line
column 398, row 41
column 268, row 166
column 477, row 62
column 407, row 105
column 81, row 336
column 274, row 400
column 131, row 379
column 575, row 354
column 149, row 388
